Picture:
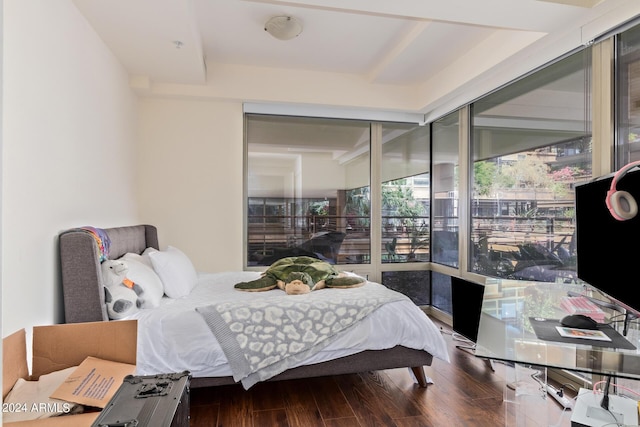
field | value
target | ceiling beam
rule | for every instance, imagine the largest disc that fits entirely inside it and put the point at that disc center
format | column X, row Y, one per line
column 392, row 54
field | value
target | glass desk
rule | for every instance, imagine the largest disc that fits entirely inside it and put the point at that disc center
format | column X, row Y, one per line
column 506, row 333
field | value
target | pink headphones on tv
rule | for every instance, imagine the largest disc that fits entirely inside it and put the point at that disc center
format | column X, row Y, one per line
column 621, row 204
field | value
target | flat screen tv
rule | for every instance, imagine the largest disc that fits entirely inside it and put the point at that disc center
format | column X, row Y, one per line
column 606, row 250
column 466, row 305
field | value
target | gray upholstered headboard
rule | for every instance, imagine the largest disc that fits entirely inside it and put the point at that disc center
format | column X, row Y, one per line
column 80, row 266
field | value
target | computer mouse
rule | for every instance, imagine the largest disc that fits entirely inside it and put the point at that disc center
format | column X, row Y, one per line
column 579, row 321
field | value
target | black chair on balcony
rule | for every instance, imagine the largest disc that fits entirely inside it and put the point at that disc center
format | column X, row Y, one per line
column 324, row 245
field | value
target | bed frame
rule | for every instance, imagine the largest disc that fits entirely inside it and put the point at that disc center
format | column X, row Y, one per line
column 84, row 302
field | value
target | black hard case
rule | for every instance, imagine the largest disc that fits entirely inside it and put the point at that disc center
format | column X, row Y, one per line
column 149, row 401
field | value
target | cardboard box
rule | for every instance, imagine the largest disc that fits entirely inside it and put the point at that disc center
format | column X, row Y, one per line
column 58, row 347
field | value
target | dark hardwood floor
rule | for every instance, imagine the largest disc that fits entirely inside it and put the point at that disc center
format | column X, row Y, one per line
column 465, row 392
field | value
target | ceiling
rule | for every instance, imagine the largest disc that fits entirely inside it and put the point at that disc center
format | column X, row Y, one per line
column 404, row 43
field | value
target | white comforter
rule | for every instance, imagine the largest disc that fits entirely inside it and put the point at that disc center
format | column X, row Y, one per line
column 174, row 337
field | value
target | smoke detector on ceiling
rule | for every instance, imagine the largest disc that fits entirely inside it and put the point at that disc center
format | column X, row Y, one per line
column 283, row 27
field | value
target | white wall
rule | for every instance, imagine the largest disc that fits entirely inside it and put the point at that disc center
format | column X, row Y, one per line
column 190, row 178
column 68, row 149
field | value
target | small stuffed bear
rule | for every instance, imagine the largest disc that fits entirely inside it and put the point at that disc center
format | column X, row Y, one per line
column 301, row 275
column 122, row 296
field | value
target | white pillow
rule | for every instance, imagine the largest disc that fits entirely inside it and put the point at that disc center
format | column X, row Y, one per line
column 144, row 258
column 145, row 277
column 29, row 400
column 132, row 256
column 176, row 271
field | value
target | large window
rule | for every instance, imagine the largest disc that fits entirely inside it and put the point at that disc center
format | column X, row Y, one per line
column 405, row 192
column 628, row 97
column 445, row 190
column 307, row 189
column 531, row 145
column 309, row 193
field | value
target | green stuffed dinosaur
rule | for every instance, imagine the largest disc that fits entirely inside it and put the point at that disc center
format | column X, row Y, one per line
column 300, row 275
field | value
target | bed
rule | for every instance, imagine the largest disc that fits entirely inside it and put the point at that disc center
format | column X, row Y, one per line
column 175, row 337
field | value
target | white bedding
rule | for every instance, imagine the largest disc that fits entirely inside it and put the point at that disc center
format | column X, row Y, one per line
column 174, row 337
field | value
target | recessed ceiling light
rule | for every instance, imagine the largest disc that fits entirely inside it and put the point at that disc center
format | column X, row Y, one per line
column 283, row 27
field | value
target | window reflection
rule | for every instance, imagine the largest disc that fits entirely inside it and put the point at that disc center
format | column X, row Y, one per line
column 531, row 145
column 628, row 97
column 308, row 189
column 405, row 193
column 445, row 190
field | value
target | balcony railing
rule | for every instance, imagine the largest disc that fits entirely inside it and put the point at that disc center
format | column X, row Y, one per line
column 271, row 234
